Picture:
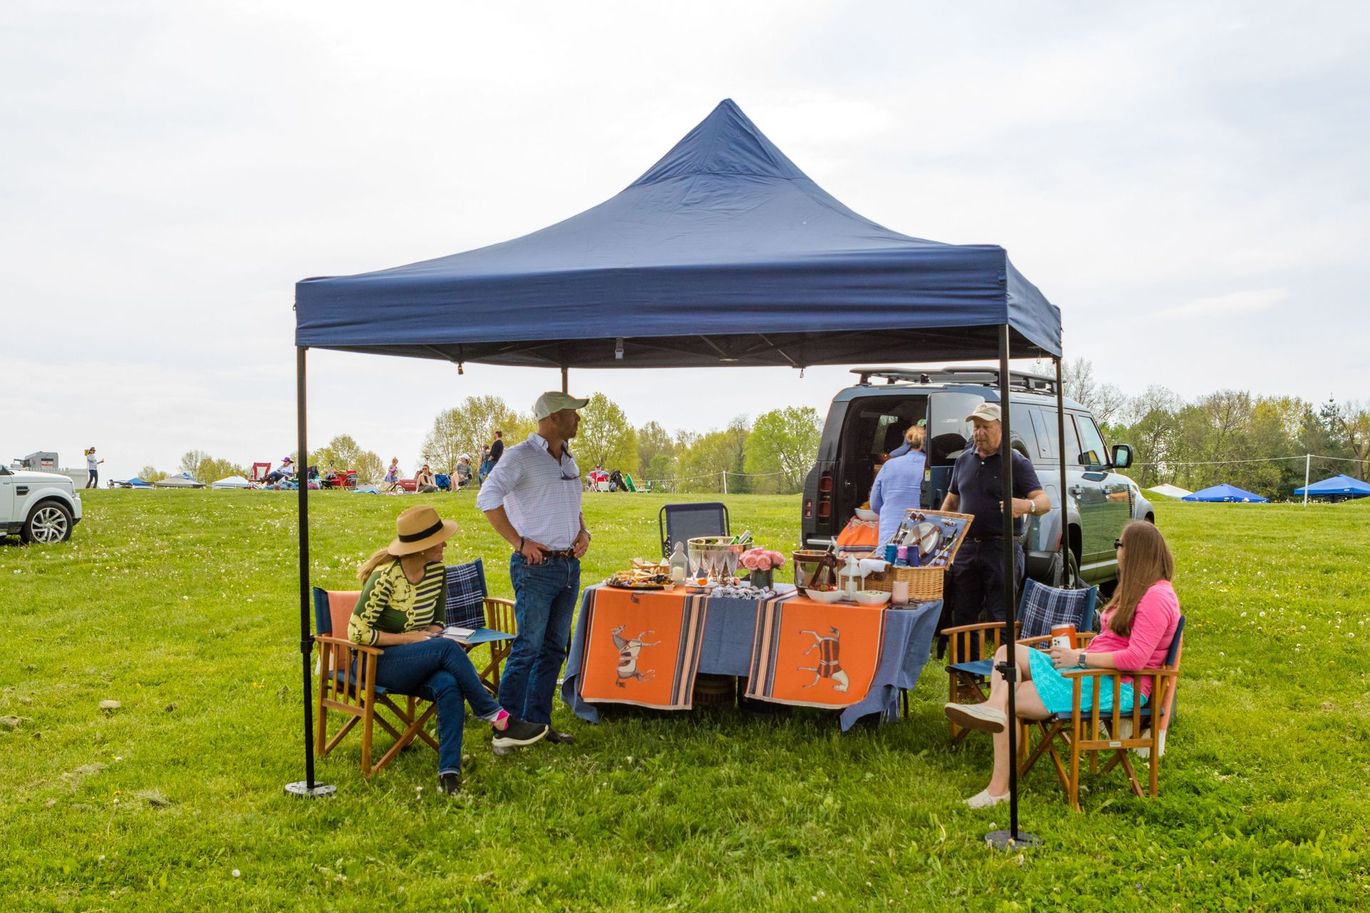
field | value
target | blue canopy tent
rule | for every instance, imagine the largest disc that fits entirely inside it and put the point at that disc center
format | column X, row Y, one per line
column 722, row 253
column 1225, row 492
column 1337, row 488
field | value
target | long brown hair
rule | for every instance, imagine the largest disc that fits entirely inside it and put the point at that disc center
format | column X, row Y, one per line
column 1146, row 560
column 380, row 557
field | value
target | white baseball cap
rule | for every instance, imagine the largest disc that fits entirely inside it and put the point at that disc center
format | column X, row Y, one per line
column 988, row 412
column 554, row 401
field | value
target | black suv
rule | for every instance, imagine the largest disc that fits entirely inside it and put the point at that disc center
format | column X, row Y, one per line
column 868, row 420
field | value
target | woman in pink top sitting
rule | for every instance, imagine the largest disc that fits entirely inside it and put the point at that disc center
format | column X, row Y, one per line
column 1137, row 627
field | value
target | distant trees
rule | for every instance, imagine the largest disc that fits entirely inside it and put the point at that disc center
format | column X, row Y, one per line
column 206, row 468
column 1104, row 400
column 1253, row 442
column 606, row 437
column 465, row 429
column 781, row 448
column 343, row 452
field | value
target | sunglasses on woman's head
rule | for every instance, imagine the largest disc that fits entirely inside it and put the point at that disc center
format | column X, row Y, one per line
column 1117, row 543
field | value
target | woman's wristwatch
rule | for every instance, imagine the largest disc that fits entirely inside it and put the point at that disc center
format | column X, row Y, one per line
column 1080, row 663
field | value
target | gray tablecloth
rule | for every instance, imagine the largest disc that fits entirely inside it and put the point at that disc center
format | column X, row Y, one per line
column 727, row 650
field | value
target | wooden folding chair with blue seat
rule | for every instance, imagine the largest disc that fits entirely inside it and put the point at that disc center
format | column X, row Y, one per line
column 1115, row 732
column 683, row 522
column 347, row 688
column 970, row 648
column 469, row 605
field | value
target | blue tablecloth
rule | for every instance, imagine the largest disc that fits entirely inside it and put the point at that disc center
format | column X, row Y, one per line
column 727, row 650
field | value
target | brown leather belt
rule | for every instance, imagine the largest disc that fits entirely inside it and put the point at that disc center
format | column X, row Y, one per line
column 558, row 553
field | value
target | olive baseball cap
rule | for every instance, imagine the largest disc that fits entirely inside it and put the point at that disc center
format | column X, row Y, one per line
column 554, row 401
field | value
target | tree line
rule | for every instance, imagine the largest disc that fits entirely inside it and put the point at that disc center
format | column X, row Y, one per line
column 1258, row 443
column 770, row 455
column 1255, row 442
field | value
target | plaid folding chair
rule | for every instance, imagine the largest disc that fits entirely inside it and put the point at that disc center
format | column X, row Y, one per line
column 348, row 689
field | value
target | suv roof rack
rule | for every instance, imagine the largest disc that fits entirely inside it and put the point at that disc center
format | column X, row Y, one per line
column 1023, row 381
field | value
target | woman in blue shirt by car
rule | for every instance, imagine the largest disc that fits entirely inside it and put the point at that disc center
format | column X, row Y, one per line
column 899, row 484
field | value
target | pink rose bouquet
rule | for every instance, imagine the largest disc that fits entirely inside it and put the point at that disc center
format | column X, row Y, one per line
column 761, row 559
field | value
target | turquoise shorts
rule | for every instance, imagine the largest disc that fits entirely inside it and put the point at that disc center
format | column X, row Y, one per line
column 1055, row 689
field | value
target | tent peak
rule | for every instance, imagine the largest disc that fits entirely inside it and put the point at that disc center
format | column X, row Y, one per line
column 725, row 142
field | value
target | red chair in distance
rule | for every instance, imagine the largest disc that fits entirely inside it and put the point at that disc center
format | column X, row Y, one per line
column 259, row 472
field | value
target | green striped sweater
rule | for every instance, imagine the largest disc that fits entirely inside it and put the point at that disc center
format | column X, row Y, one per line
column 390, row 603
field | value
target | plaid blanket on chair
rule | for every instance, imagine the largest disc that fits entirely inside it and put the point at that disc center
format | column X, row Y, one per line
column 466, row 594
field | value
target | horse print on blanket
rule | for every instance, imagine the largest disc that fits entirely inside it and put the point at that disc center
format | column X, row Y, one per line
column 814, row 655
column 641, row 648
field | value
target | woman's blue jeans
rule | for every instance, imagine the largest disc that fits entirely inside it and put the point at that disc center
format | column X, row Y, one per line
column 438, row 670
column 544, row 603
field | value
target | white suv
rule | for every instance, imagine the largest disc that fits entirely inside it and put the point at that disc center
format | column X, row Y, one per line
column 38, row 506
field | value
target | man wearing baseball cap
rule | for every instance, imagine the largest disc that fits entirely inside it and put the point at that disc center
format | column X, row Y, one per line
column 532, row 499
column 976, row 488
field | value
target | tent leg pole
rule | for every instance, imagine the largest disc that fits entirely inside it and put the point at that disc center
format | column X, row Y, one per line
column 1012, row 838
column 306, row 788
column 565, row 379
column 1307, row 470
column 1066, row 577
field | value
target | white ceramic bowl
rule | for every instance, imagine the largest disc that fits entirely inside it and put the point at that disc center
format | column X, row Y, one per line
column 872, row 597
column 824, row 595
column 864, row 514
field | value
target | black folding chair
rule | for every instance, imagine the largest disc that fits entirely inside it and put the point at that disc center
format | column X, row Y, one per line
column 682, row 522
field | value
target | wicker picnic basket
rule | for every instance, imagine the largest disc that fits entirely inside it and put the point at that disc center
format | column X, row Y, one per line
column 925, row 583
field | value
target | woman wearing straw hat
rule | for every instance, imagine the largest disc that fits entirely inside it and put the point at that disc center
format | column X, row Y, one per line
column 402, row 608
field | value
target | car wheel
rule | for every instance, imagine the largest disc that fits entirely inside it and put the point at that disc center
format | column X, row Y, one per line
column 49, row 522
column 1068, row 579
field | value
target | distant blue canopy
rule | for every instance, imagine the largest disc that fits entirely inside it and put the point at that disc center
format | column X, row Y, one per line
column 723, row 252
column 1225, row 492
column 1342, row 486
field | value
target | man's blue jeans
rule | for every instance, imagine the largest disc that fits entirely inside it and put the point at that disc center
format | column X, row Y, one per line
column 544, row 602
column 438, row 670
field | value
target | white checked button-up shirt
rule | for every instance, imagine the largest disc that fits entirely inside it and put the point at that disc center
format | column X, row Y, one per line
column 540, row 493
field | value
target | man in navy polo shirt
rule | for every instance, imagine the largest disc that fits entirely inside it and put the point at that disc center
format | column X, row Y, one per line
column 977, row 576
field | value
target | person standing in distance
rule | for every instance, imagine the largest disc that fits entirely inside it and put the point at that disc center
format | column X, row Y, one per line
column 92, row 467
column 532, row 499
column 496, row 449
column 977, row 575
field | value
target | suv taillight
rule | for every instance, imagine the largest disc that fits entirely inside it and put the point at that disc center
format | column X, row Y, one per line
column 825, row 485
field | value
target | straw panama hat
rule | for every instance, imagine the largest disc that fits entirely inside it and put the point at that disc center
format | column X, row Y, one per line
column 418, row 528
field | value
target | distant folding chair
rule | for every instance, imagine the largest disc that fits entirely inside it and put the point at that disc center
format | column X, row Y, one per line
column 469, row 605
column 347, row 688
column 259, row 472
column 1114, row 732
column 970, row 648
column 683, row 522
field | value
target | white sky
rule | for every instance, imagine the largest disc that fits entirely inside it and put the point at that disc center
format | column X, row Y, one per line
column 1185, row 181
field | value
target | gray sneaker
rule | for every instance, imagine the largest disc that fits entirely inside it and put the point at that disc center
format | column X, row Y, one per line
column 517, row 734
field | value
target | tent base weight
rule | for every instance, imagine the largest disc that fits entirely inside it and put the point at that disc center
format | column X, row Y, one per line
column 302, row 790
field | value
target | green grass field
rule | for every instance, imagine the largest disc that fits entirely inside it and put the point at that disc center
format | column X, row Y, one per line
column 183, row 607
